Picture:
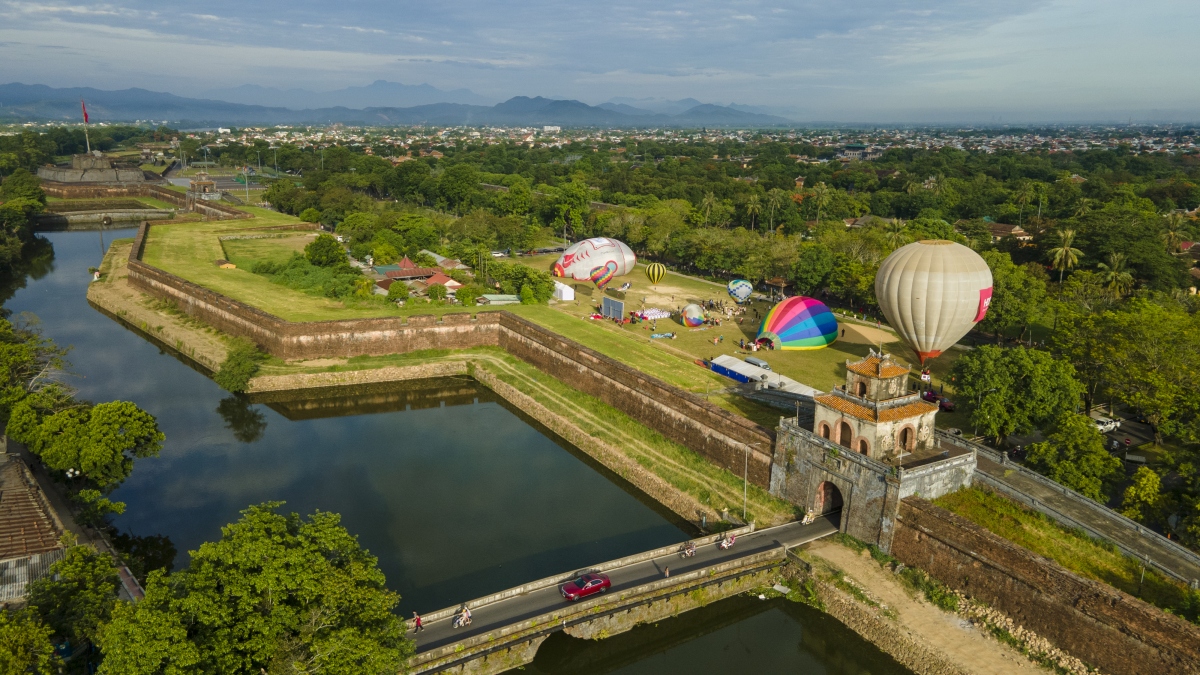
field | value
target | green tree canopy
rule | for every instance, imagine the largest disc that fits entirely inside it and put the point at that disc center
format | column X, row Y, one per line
column 277, row 593
column 1017, row 295
column 101, row 441
column 1015, row 390
column 1073, row 455
column 325, row 251
column 78, row 596
column 25, row 644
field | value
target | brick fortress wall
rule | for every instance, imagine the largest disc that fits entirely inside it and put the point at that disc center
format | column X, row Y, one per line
column 716, row 434
column 1094, row 622
column 213, row 210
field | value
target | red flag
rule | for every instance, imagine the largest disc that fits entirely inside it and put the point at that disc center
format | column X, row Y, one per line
column 84, row 106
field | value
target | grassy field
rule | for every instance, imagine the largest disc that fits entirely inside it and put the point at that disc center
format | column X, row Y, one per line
column 189, row 250
column 1072, row 549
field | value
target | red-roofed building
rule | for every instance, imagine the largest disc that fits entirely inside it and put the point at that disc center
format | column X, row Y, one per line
column 443, row 280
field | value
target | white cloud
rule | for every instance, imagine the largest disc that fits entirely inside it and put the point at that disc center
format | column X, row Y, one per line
column 848, row 59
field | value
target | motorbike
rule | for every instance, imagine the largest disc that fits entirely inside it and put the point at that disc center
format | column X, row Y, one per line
column 727, row 543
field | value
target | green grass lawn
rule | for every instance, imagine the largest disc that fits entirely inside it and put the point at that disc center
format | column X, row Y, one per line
column 190, row 249
column 1072, row 549
column 246, row 252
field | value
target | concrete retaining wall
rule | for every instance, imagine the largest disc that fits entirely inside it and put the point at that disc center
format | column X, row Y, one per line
column 1094, row 622
column 685, row 418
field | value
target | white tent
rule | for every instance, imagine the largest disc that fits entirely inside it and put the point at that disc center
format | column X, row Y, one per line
column 563, row 292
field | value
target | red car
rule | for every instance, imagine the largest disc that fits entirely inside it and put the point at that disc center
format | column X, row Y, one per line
column 944, row 404
column 585, row 585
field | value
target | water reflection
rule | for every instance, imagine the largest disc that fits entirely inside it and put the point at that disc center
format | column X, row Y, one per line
column 738, row 635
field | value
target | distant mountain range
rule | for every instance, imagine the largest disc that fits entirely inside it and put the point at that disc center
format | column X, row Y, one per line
column 378, row 94
column 23, row 102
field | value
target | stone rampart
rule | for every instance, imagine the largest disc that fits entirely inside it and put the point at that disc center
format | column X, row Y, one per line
column 172, row 197
column 1094, row 622
column 685, row 418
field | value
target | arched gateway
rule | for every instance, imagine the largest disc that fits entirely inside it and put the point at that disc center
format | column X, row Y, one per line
column 829, row 500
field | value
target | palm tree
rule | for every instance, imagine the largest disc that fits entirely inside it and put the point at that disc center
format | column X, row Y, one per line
column 775, row 201
column 1172, row 234
column 753, row 208
column 1064, row 257
column 911, row 186
column 895, row 233
column 1113, row 275
column 1023, row 194
column 821, row 195
column 1083, row 208
column 937, row 184
column 707, row 204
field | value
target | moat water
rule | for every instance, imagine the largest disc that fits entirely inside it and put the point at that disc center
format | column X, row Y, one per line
column 457, row 493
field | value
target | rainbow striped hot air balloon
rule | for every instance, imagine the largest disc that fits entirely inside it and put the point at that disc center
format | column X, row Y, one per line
column 692, row 316
column 655, row 272
column 799, row 323
column 602, row 275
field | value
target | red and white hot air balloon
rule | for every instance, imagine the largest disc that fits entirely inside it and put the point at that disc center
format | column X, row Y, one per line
column 933, row 292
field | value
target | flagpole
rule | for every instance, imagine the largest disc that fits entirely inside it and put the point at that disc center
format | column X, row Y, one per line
column 85, row 126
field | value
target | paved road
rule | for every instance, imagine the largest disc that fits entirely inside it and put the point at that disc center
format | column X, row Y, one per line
column 1098, row 518
column 500, row 614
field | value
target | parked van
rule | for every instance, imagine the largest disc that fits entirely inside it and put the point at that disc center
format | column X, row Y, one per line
column 758, row 362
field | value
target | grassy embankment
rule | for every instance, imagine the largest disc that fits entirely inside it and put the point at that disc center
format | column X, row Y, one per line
column 1074, row 550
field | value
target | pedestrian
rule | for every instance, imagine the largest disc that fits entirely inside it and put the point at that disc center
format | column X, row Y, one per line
column 843, row 332
column 417, row 625
column 666, row 571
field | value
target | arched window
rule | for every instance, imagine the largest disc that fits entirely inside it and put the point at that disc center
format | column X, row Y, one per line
column 845, row 434
column 862, row 445
column 824, row 431
column 860, row 388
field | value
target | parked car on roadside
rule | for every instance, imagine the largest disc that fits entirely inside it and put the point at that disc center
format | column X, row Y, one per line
column 585, row 585
column 1104, row 424
column 944, row 404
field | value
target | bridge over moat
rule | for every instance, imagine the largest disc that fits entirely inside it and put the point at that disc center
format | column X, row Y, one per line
column 508, row 627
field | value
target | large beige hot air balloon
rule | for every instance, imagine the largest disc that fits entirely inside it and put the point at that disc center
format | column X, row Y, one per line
column 932, row 292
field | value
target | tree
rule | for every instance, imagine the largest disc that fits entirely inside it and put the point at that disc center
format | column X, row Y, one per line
column 1173, row 233
column 1023, row 195
column 25, row 644
column 1015, row 390
column 707, row 205
column 1142, row 500
column 753, row 208
column 895, row 233
column 276, row 593
column 458, row 184
column 1073, row 455
column 77, row 598
column 811, row 271
column 325, row 251
column 1064, row 257
column 436, row 292
column 240, row 365
column 1115, row 278
column 384, row 254
column 776, row 198
column 310, row 215
column 1017, row 296
column 397, row 291
column 821, row 195
column 21, row 184
column 101, row 441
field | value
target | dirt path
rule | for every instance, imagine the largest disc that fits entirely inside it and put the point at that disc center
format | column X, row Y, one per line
column 113, row 294
column 865, row 335
column 953, row 637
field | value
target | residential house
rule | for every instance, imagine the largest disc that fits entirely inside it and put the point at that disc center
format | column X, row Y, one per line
column 1001, row 230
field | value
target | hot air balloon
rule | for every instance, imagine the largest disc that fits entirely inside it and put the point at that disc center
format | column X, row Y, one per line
column 799, row 323
column 740, row 289
column 692, row 316
column 932, row 292
column 655, row 272
column 602, row 275
column 580, row 258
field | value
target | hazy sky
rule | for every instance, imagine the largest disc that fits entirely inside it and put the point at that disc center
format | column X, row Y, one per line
column 872, row 60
